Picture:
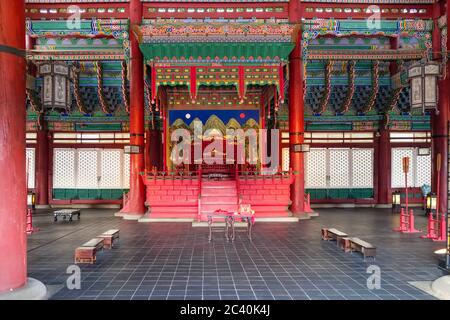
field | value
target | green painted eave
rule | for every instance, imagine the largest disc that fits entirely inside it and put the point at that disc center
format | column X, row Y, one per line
column 61, row 27
column 247, row 50
column 413, row 118
column 331, row 119
column 349, row 25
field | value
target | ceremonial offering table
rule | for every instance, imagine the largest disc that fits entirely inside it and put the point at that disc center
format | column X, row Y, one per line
column 66, row 213
column 230, row 218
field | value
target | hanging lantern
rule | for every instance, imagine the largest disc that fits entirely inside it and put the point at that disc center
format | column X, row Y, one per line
column 56, row 89
column 431, row 203
column 424, row 89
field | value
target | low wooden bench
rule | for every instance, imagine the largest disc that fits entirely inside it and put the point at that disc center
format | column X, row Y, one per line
column 333, row 234
column 344, row 244
column 367, row 249
column 88, row 251
column 66, row 213
column 109, row 237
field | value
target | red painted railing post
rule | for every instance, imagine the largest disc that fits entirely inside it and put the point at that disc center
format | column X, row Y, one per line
column 238, row 192
column 411, row 228
column 308, row 208
column 30, row 228
column 401, row 228
column 441, row 232
column 430, row 229
column 199, row 205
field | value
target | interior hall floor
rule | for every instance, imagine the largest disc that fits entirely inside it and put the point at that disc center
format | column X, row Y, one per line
column 284, row 261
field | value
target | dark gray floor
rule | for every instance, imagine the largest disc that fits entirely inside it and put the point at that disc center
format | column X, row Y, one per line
column 284, row 261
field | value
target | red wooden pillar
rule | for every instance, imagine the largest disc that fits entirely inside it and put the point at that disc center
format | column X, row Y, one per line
column 41, row 176
column 13, row 193
column 383, row 155
column 42, row 159
column 439, row 125
column 383, row 171
column 135, row 207
column 296, row 115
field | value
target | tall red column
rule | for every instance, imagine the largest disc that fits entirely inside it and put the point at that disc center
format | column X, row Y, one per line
column 383, row 156
column 296, row 115
column 439, row 125
column 135, row 207
column 13, row 193
column 42, row 159
column 384, row 166
column 42, row 149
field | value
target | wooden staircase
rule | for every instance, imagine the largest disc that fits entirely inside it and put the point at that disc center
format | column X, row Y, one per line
column 221, row 194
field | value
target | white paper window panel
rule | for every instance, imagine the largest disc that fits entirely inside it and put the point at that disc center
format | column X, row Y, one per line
column 285, row 159
column 30, row 164
column 397, row 175
column 316, row 168
column 423, row 170
column 362, row 168
column 64, row 168
column 339, row 168
column 126, row 171
column 111, row 169
column 91, row 168
column 88, row 173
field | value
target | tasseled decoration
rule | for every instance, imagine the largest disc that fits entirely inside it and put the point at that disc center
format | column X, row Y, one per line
column 351, row 86
column 150, row 105
column 275, row 98
column 101, row 97
column 444, row 35
column 281, row 82
column 159, row 107
column 76, row 89
column 395, row 96
column 153, row 84
column 327, row 93
column 375, row 87
column 33, row 101
column 241, row 89
column 193, row 83
column 125, row 97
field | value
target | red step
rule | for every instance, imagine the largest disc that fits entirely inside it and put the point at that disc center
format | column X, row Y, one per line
column 167, row 209
column 219, row 184
column 230, row 199
column 218, row 193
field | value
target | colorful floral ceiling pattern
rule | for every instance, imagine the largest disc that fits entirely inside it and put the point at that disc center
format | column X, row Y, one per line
column 230, row 42
column 212, row 32
column 239, row 76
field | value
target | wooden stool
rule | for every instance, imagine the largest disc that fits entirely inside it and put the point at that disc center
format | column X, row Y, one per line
column 344, row 244
column 109, row 237
column 88, row 251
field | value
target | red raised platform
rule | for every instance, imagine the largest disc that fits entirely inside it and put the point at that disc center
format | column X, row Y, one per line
column 193, row 195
